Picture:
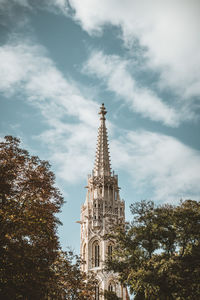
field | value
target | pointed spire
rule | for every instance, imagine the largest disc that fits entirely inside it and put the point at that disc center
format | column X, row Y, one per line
column 102, row 162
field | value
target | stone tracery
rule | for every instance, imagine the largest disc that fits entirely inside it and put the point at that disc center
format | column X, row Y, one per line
column 102, row 208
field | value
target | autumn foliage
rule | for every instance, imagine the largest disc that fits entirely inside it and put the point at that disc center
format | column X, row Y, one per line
column 32, row 265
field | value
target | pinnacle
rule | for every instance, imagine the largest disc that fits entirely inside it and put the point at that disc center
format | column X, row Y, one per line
column 102, row 112
column 102, row 165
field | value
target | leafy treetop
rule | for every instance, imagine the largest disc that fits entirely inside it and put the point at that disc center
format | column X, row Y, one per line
column 158, row 254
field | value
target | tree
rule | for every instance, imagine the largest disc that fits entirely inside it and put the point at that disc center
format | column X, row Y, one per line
column 158, row 254
column 70, row 283
column 109, row 295
column 32, row 266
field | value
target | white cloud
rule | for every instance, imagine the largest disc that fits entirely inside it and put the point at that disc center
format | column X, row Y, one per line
column 169, row 30
column 170, row 167
column 160, row 162
column 10, row 7
column 27, row 69
column 113, row 70
column 72, row 149
column 61, row 4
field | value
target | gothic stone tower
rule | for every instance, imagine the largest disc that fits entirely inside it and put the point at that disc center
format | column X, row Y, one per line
column 102, row 208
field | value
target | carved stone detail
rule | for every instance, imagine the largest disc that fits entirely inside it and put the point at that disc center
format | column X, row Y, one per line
column 103, row 208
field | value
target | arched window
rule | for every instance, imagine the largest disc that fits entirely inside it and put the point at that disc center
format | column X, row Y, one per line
column 96, row 292
column 110, row 250
column 95, row 194
column 121, row 211
column 110, row 287
column 96, row 254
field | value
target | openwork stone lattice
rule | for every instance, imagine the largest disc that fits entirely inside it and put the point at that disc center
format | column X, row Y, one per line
column 102, row 208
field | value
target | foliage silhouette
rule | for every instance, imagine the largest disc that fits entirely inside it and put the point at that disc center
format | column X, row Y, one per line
column 158, row 254
column 32, row 265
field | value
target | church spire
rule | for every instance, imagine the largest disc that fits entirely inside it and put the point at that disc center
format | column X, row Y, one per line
column 103, row 208
column 102, row 162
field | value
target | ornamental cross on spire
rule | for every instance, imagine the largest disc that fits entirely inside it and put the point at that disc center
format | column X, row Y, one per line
column 102, row 162
column 102, row 112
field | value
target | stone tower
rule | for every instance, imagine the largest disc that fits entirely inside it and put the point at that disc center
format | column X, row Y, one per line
column 102, row 208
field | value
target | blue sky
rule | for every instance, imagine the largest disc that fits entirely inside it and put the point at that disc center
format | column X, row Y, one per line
column 59, row 60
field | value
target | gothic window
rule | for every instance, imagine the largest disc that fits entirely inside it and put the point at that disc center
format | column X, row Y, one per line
column 100, row 191
column 96, row 292
column 95, row 193
column 110, row 287
column 110, row 250
column 96, row 254
column 121, row 211
column 115, row 195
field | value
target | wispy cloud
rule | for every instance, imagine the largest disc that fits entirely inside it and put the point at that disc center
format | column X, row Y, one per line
column 27, row 69
column 160, row 163
column 167, row 30
column 53, row 5
column 73, row 148
column 4, row 4
column 15, row 14
column 114, row 71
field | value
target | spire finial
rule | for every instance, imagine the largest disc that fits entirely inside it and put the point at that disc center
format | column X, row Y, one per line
column 102, row 112
column 102, row 162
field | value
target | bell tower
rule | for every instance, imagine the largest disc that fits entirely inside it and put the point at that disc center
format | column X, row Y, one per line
column 102, row 208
